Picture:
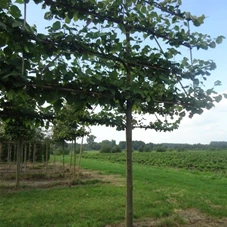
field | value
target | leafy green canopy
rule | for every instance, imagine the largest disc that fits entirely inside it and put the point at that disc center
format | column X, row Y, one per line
column 84, row 59
column 67, row 125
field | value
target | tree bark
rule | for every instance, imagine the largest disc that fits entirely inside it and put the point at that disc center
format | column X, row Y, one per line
column 19, row 148
column 46, row 159
column 63, row 160
column 9, row 148
column 129, row 175
column 25, row 156
column 74, row 160
column 71, row 155
column 34, row 154
column 79, row 161
column 0, row 151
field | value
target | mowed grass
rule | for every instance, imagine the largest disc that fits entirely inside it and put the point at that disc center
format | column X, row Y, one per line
column 158, row 192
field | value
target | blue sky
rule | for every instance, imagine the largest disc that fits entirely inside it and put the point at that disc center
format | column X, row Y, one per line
column 211, row 125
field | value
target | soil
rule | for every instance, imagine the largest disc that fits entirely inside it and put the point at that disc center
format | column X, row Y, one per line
column 40, row 177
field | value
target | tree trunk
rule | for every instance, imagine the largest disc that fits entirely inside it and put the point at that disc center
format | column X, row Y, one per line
column 129, row 178
column 25, row 156
column 0, row 151
column 74, row 159
column 9, row 145
column 54, row 161
column 63, row 160
column 19, row 146
column 30, row 153
column 34, row 153
column 21, row 156
column 81, row 149
column 46, row 160
column 71, row 155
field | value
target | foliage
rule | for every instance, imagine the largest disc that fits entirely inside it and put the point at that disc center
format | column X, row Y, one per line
column 109, row 147
column 156, row 79
column 91, row 145
column 67, row 124
column 115, row 149
column 106, row 148
column 161, row 149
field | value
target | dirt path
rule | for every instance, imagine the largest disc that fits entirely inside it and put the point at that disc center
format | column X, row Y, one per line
column 115, row 179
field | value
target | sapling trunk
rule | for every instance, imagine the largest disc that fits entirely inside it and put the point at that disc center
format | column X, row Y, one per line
column 0, row 151
column 9, row 154
column 81, row 150
column 129, row 178
column 34, row 153
column 74, row 159
column 19, row 148
column 46, row 160
column 71, row 156
column 25, row 156
column 63, row 160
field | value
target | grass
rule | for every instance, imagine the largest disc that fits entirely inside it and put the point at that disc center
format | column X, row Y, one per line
column 162, row 190
column 158, row 192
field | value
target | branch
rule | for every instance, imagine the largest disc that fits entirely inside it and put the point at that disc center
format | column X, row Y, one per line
column 108, row 16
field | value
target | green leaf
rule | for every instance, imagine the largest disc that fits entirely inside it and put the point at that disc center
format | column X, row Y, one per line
column 218, row 98
column 19, row 1
column 67, row 19
column 212, row 45
column 15, row 11
column 48, row 16
column 75, row 16
column 122, row 27
column 5, row 4
column 217, row 83
column 56, row 25
column 219, row 39
column 197, row 21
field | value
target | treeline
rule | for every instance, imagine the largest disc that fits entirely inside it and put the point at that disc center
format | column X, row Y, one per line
column 107, row 146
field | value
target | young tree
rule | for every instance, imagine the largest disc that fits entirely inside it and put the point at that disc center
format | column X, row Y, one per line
column 90, row 141
column 124, row 56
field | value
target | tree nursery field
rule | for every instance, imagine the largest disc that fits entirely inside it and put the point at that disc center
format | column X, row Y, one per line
column 214, row 161
column 163, row 196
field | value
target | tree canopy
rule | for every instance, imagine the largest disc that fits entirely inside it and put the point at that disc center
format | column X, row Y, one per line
column 122, row 56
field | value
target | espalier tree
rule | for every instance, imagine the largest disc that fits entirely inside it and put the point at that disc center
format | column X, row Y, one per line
column 123, row 56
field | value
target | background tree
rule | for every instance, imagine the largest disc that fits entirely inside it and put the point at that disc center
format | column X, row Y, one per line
column 90, row 142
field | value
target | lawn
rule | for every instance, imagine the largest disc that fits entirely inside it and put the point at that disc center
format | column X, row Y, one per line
column 158, row 193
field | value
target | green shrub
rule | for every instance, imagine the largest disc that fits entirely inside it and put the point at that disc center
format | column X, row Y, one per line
column 161, row 149
column 105, row 149
column 116, row 149
column 141, row 148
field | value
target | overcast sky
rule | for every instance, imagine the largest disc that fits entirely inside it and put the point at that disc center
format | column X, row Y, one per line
column 212, row 124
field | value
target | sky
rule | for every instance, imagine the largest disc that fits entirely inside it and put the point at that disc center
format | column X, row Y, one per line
column 211, row 125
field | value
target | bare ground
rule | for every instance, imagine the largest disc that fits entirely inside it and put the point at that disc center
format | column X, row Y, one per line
column 40, row 177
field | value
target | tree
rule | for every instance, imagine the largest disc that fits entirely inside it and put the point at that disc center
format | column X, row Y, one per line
column 90, row 141
column 123, row 56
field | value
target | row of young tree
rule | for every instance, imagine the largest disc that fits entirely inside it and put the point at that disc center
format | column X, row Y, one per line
column 31, row 152
column 123, row 57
